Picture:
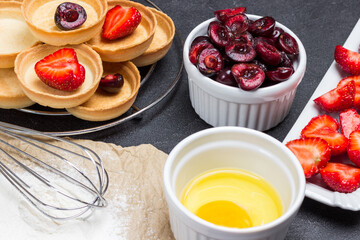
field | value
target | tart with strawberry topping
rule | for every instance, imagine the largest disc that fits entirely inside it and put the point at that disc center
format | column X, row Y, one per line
column 61, row 70
column 120, row 22
column 59, row 77
column 123, row 37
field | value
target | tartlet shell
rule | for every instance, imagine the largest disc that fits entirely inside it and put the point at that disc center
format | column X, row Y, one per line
column 11, row 93
column 105, row 106
column 61, row 38
column 163, row 38
column 7, row 59
column 127, row 48
column 44, row 95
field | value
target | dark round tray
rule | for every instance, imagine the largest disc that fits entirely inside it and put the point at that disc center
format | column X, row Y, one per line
column 158, row 81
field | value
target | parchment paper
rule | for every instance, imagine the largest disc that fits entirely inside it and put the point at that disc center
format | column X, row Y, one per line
column 135, row 196
column 137, row 173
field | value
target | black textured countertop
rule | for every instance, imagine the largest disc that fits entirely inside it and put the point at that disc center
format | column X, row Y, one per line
column 320, row 24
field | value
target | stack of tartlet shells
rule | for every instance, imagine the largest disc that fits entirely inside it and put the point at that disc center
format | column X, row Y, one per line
column 40, row 36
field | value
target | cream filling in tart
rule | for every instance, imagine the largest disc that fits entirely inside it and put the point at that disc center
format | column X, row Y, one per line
column 137, row 37
column 130, row 46
column 103, row 105
column 15, row 35
column 45, row 95
column 11, row 93
column 101, row 100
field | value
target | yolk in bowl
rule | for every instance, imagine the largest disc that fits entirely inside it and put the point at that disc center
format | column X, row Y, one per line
column 232, row 198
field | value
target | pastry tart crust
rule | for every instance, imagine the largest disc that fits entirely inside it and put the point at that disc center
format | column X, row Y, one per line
column 44, row 95
column 131, row 46
column 105, row 106
column 15, row 34
column 39, row 15
column 163, row 38
column 11, row 93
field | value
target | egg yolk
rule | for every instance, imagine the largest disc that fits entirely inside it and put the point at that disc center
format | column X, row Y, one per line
column 224, row 213
column 232, row 198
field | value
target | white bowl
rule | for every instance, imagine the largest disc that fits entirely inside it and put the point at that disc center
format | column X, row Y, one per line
column 232, row 147
column 221, row 105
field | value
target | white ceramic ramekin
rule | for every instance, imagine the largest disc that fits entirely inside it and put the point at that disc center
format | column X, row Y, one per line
column 221, row 105
column 232, row 147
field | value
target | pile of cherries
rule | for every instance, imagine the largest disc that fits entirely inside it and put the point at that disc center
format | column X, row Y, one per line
column 243, row 53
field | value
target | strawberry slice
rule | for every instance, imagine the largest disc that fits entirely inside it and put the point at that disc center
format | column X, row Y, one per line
column 338, row 99
column 312, row 153
column 341, row 177
column 61, row 70
column 356, row 79
column 120, row 22
column 348, row 60
column 320, row 122
column 326, row 127
column 354, row 147
column 349, row 121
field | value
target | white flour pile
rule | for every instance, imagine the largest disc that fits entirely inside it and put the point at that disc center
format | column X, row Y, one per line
column 137, row 208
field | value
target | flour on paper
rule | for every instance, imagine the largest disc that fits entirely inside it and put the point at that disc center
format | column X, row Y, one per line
column 137, row 208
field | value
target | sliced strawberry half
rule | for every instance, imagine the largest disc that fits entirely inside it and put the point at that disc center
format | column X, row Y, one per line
column 348, row 60
column 338, row 99
column 354, row 147
column 320, row 122
column 341, row 177
column 312, row 153
column 61, row 70
column 349, row 121
column 120, row 22
column 356, row 79
column 326, row 127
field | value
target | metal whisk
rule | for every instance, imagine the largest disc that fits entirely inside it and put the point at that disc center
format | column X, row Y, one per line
column 60, row 178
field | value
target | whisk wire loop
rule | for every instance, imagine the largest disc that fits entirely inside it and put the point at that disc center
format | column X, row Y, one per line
column 65, row 171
